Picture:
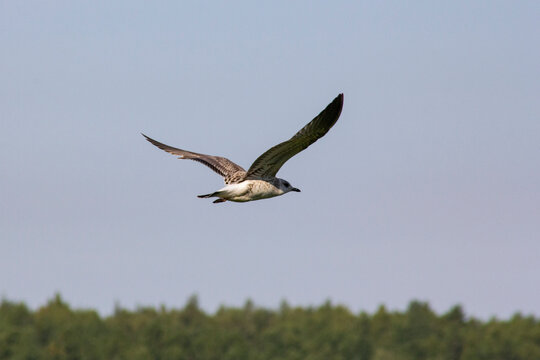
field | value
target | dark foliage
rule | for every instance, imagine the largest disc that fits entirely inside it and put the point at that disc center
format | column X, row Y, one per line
column 56, row 331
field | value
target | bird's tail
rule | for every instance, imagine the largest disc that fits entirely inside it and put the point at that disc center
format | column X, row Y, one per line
column 214, row 194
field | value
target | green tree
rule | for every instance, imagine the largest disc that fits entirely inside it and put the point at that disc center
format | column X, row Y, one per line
column 55, row 331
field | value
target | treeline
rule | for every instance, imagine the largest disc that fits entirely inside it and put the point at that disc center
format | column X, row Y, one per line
column 56, row 331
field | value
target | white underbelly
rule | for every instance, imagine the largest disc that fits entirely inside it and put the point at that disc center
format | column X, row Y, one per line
column 249, row 190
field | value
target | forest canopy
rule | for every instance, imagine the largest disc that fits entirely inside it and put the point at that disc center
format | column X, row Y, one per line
column 56, row 331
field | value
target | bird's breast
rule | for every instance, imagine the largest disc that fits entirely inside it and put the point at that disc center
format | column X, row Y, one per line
column 250, row 190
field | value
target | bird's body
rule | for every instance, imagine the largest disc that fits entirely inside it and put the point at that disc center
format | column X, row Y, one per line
column 249, row 190
column 259, row 181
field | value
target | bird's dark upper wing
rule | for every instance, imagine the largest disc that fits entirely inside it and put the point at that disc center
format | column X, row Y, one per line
column 221, row 165
column 269, row 163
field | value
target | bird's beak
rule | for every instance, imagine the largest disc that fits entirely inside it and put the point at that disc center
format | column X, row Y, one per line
column 295, row 189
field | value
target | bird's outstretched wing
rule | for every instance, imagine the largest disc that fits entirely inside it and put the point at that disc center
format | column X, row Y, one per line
column 269, row 163
column 221, row 165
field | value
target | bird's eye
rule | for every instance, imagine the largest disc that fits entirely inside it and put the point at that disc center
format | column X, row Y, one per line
column 287, row 184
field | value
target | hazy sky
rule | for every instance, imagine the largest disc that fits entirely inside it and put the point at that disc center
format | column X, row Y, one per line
column 427, row 188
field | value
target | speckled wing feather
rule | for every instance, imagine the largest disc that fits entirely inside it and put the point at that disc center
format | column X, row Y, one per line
column 268, row 164
column 223, row 166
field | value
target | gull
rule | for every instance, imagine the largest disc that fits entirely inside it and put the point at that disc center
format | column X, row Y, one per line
column 260, row 181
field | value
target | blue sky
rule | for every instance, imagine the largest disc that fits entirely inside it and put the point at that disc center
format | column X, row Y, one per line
column 427, row 187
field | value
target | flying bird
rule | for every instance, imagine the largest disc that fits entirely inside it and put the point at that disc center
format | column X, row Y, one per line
column 260, row 181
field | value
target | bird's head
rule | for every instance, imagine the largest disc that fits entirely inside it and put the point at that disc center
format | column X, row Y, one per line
column 285, row 186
